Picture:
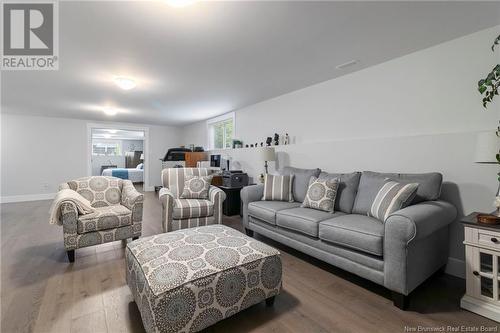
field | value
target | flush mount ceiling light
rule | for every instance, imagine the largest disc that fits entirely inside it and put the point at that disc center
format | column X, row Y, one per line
column 180, row 3
column 124, row 83
column 112, row 131
column 107, row 136
column 109, row 111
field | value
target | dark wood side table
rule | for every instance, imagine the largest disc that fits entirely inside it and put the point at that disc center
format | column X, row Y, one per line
column 231, row 205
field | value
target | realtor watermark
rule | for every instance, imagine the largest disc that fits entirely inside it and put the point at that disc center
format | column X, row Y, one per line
column 451, row 328
column 30, row 35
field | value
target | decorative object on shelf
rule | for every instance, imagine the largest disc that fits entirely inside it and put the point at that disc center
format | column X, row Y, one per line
column 287, row 139
column 488, row 150
column 256, row 144
column 489, row 86
column 251, row 146
column 246, row 146
column 191, row 146
column 267, row 154
column 488, row 219
column 276, row 139
column 237, row 144
column 268, row 141
column 262, row 144
column 261, row 178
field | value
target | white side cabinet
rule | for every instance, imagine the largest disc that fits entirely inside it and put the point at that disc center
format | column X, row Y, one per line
column 482, row 258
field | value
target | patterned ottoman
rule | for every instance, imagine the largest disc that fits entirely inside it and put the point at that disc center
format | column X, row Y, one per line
column 187, row 280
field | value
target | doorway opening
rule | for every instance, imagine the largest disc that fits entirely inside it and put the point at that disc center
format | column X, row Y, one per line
column 118, row 151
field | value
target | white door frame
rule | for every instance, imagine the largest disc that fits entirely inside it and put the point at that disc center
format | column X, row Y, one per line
column 119, row 126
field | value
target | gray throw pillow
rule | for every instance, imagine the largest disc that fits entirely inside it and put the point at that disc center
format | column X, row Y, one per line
column 196, row 187
column 300, row 180
column 321, row 194
column 278, row 188
column 392, row 197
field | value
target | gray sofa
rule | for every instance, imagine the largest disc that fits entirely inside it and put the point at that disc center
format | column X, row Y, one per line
column 400, row 253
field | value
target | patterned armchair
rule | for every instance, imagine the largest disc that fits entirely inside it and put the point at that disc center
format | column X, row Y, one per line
column 187, row 213
column 118, row 213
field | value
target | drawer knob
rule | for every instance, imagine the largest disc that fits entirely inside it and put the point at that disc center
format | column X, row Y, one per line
column 476, row 273
column 494, row 240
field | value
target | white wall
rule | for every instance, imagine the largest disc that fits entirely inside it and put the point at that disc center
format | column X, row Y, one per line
column 39, row 153
column 416, row 113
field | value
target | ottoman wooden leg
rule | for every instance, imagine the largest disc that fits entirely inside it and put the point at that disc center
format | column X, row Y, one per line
column 270, row 301
column 71, row 255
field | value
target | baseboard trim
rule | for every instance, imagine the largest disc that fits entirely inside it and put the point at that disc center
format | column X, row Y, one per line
column 149, row 189
column 455, row 267
column 27, row 197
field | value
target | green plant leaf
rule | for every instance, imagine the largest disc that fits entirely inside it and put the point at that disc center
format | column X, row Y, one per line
column 482, row 89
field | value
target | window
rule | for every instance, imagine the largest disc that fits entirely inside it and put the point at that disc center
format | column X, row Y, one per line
column 221, row 132
column 101, row 148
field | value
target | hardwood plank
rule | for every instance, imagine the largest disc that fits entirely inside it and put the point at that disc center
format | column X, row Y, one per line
column 94, row 322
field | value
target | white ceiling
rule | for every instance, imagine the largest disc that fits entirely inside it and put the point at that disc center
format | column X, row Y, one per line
column 200, row 61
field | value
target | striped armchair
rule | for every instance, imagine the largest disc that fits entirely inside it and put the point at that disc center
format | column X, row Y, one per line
column 187, row 213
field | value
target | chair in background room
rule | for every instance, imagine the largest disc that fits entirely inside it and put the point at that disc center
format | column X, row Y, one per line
column 179, row 213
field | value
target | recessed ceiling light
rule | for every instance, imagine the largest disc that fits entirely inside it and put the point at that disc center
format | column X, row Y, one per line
column 112, row 131
column 109, row 111
column 125, row 83
column 107, row 136
column 180, row 3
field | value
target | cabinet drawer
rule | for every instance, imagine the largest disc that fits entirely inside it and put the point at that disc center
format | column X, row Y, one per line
column 483, row 238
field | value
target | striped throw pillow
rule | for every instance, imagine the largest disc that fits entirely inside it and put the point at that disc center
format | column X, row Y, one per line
column 278, row 188
column 391, row 197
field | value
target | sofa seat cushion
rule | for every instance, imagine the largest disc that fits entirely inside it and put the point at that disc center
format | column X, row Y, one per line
column 266, row 210
column 303, row 220
column 358, row 232
column 191, row 208
column 104, row 218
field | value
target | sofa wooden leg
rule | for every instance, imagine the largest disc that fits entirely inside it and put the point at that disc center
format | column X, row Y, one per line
column 401, row 301
column 135, row 238
column 71, row 255
column 249, row 232
column 270, row 301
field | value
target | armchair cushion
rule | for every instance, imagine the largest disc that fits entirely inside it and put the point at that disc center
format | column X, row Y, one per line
column 104, row 218
column 173, row 178
column 191, row 208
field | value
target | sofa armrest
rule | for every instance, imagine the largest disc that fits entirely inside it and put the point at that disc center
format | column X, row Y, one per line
column 69, row 218
column 419, row 221
column 416, row 244
column 250, row 194
column 217, row 197
column 167, row 202
column 130, row 196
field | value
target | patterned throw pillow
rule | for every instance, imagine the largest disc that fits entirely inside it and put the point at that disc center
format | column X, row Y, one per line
column 321, row 194
column 278, row 188
column 196, row 187
column 391, row 197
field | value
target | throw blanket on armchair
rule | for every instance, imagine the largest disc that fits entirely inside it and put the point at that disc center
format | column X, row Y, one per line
column 119, row 173
column 82, row 205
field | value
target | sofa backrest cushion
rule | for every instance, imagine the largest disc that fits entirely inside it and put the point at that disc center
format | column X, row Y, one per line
column 346, row 191
column 371, row 182
column 99, row 190
column 300, row 180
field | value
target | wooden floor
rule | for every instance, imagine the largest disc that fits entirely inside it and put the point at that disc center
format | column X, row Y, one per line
column 42, row 292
